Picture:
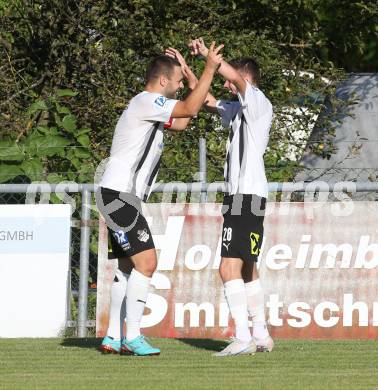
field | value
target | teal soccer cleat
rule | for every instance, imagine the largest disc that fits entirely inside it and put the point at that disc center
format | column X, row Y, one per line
column 109, row 345
column 138, row 346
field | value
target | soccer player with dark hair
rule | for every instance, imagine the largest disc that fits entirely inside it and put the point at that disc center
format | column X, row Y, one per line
column 249, row 119
column 127, row 181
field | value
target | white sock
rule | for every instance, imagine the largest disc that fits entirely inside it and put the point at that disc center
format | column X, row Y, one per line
column 136, row 296
column 236, row 297
column 256, row 308
column 117, row 311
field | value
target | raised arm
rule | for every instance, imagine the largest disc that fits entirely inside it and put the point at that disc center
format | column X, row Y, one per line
column 210, row 101
column 198, row 47
column 180, row 124
column 194, row 101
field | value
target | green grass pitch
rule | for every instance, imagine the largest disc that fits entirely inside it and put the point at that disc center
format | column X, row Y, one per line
column 187, row 364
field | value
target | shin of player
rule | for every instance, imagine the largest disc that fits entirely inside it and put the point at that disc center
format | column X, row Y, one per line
column 249, row 119
column 117, row 312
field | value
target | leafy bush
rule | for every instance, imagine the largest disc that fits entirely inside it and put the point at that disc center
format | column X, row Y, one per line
column 51, row 147
column 100, row 49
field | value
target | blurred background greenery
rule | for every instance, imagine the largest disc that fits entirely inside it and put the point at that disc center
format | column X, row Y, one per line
column 68, row 69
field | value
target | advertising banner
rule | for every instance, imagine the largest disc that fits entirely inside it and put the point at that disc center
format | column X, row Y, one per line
column 34, row 269
column 318, row 267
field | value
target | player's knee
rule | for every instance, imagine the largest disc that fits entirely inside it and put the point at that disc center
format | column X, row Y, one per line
column 151, row 267
column 230, row 269
column 222, row 268
column 147, row 267
column 225, row 270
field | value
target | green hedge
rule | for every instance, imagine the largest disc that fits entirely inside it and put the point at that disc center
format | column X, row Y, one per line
column 69, row 68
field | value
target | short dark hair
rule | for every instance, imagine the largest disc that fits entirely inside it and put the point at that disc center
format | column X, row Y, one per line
column 249, row 66
column 161, row 65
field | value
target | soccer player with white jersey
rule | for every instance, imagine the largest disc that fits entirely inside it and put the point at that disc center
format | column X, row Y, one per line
column 249, row 119
column 127, row 181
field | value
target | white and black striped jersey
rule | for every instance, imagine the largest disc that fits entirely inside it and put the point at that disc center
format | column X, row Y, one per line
column 137, row 145
column 249, row 120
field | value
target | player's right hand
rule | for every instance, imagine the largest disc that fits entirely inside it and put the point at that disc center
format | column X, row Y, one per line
column 214, row 58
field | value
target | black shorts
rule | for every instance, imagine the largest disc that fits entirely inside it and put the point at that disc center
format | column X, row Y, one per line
column 243, row 226
column 129, row 232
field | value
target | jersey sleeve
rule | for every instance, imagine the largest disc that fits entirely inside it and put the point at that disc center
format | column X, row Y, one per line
column 168, row 125
column 227, row 111
column 254, row 102
column 157, row 108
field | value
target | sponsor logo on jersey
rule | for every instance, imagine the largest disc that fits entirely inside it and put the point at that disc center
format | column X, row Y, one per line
column 143, row 235
column 255, row 238
column 160, row 101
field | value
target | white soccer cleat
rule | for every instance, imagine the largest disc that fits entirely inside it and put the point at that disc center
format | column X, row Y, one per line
column 264, row 345
column 237, row 347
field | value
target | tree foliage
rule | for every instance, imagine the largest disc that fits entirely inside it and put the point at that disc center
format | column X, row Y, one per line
column 69, row 68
